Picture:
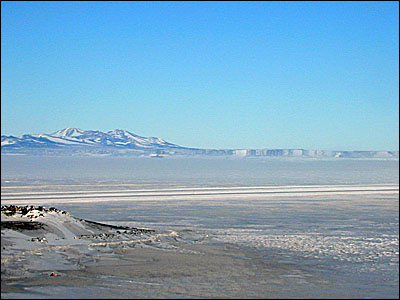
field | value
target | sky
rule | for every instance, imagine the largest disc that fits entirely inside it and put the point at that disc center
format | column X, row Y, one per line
column 309, row 75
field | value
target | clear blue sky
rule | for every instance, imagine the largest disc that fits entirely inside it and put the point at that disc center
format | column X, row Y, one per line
column 312, row 75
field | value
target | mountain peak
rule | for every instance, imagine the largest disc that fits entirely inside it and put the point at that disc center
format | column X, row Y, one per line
column 68, row 132
column 117, row 131
column 124, row 134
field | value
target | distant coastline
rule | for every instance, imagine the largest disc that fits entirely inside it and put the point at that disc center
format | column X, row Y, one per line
column 78, row 142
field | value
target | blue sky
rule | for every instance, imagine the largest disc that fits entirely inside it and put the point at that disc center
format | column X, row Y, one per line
column 312, row 75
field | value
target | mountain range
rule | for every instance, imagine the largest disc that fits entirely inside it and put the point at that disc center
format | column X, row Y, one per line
column 75, row 141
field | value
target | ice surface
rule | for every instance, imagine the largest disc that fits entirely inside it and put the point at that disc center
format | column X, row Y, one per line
column 234, row 229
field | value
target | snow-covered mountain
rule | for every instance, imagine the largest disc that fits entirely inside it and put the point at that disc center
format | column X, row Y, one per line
column 90, row 139
column 75, row 141
column 115, row 138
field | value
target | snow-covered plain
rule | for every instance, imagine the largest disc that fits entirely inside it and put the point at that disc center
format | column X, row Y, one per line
column 258, row 229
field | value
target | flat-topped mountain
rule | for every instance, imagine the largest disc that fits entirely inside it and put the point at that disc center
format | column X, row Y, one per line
column 75, row 141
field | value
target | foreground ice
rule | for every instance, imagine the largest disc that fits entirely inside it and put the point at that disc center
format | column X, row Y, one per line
column 330, row 241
